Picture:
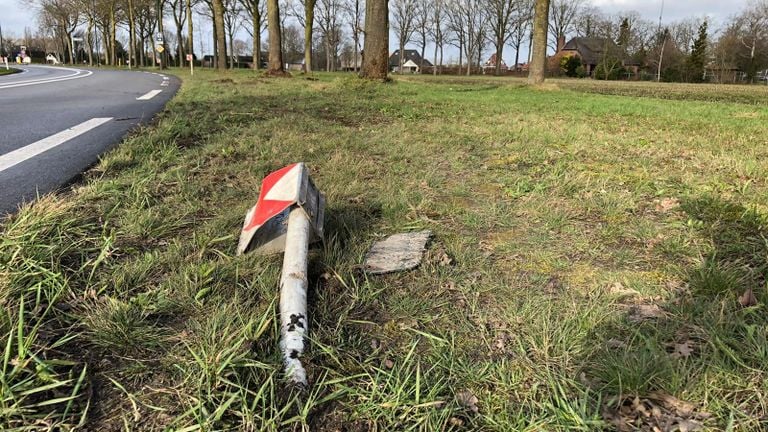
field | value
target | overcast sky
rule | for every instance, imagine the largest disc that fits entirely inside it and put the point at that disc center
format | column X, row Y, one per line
column 14, row 17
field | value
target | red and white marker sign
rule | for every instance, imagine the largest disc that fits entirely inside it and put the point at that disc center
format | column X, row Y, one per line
column 287, row 217
column 265, row 224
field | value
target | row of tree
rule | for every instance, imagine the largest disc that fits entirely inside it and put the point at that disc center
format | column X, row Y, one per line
column 334, row 30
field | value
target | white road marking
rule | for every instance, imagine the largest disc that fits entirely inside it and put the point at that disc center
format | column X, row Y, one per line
column 78, row 73
column 27, row 152
column 149, row 95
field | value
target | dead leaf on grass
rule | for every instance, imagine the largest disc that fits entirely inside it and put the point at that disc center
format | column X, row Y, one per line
column 645, row 312
column 748, row 298
column 656, row 412
column 621, row 291
column 468, row 400
column 615, row 344
column 444, row 260
column 665, row 205
column 683, row 350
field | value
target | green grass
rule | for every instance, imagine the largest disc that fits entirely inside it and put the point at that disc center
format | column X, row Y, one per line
column 558, row 213
column 4, row 71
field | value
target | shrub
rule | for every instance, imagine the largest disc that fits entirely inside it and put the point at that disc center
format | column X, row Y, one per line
column 569, row 66
column 609, row 69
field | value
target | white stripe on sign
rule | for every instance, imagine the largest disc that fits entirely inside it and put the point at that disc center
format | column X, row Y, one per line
column 149, row 95
column 27, row 152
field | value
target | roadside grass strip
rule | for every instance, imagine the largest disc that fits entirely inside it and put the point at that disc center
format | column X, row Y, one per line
column 598, row 262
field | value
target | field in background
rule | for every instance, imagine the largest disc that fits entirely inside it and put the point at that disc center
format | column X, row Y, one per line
column 593, row 257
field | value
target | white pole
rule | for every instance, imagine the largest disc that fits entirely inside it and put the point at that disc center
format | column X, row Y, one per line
column 293, row 295
column 192, row 66
column 6, row 64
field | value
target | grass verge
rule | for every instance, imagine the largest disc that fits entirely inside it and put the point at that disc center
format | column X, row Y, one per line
column 590, row 255
column 4, row 71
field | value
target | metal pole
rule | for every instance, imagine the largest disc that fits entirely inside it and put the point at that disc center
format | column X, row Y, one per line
column 293, row 295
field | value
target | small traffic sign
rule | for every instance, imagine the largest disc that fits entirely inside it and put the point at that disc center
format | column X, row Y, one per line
column 287, row 217
column 160, row 48
column 265, row 223
column 189, row 57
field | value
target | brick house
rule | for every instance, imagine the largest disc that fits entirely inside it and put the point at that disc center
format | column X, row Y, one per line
column 592, row 51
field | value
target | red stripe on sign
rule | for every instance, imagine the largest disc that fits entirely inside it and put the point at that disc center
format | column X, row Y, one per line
column 267, row 209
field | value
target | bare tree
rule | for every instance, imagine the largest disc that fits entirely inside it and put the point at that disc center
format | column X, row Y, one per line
column 501, row 13
column 563, row 16
column 752, row 33
column 437, row 33
column 255, row 9
column 458, row 28
column 328, row 21
column 178, row 11
column 376, row 44
column 423, row 17
column 404, row 23
column 233, row 19
column 220, row 34
column 538, row 65
column 354, row 11
column 521, row 27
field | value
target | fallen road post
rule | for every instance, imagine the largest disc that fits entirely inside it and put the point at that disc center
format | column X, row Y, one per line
column 287, row 218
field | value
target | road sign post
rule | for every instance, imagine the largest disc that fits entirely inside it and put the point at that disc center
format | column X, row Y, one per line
column 287, row 217
column 191, row 60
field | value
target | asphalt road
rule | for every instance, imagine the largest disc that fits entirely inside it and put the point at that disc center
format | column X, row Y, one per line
column 55, row 122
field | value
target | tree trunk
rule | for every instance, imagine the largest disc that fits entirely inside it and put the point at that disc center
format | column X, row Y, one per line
column 131, row 35
column 179, row 21
column 275, row 66
column 309, row 18
column 376, row 43
column 221, row 42
column 112, row 34
column 70, row 48
column 461, row 54
column 434, row 65
column 161, row 30
column 256, row 20
column 538, row 65
column 442, row 51
column 530, row 45
column 190, row 31
column 215, row 46
column 402, row 56
column 423, row 51
column 232, row 50
column 90, row 41
column 517, row 56
column 499, row 53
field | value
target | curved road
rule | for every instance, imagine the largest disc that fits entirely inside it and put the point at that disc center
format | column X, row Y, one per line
column 56, row 121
